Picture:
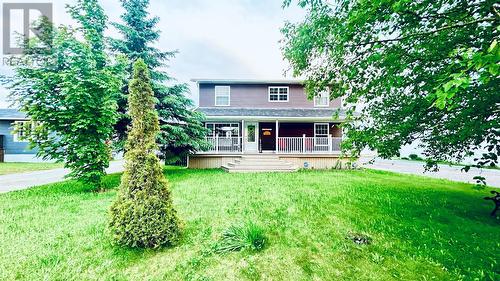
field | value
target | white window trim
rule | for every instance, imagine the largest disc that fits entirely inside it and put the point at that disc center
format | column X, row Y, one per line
column 218, row 123
column 15, row 135
column 228, row 96
column 327, row 134
column 279, row 87
column 322, row 105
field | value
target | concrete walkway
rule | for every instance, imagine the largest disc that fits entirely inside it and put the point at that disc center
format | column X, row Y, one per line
column 453, row 173
column 20, row 181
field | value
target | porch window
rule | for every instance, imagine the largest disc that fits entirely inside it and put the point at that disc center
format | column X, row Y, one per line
column 223, row 129
column 322, row 99
column 321, row 133
column 222, row 95
column 278, row 94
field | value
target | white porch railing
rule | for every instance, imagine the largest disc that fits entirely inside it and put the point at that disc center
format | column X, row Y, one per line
column 223, row 144
column 297, row 145
column 285, row 145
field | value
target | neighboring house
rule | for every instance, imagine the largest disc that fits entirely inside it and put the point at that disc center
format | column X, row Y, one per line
column 12, row 147
column 256, row 117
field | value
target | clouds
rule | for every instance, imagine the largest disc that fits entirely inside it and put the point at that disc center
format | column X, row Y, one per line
column 246, row 31
column 215, row 38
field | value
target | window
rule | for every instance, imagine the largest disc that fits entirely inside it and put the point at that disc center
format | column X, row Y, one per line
column 223, row 129
column 321, row 134
column 21, row 131
column 222, row 95
column 251, row 133
column 322, row 99
column 278, row 94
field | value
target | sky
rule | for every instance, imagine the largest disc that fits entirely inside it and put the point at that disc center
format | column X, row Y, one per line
column 225, row 39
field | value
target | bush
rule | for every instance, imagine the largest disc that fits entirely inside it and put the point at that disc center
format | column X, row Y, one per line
column 143, row 214
column 248, row 236
column 414, row 157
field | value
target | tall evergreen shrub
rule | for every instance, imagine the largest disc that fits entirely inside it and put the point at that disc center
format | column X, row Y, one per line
column 143, row 215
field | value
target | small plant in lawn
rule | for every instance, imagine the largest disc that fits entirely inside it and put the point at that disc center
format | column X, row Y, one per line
column 143, row 215
column 247, row 236
column 359, row 238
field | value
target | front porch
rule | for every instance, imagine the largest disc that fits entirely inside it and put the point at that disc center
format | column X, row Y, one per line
column 280, row 138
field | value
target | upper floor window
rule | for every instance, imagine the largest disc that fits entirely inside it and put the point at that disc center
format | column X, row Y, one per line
column 222, row 95
column 322, row 99
column 278, row 94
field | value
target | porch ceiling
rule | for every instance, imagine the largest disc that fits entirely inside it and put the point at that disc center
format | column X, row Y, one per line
column 271, row 113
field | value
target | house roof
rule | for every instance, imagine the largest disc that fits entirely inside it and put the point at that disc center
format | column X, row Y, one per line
column 11, row 114
column 272, row 113
column 248, row 81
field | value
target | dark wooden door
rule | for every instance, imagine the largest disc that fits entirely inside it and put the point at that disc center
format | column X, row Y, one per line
column 267, row 136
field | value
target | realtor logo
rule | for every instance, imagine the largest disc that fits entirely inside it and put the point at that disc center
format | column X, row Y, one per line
column 11, row 11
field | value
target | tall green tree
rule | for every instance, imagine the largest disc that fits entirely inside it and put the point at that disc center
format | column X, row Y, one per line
column 181, row 129
column 143, row 215
column 424, row 70
column 67, row 88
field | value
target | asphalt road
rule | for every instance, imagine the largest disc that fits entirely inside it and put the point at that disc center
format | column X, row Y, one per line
column 453, row 173
column 26, row 180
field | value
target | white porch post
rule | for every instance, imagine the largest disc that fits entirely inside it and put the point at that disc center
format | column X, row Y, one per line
column 277, row 132
column 330, row 141
column 304, row 143
column 243, row 133
column 217, row 143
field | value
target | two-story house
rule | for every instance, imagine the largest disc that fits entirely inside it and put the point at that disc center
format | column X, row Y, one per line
column 252, row 122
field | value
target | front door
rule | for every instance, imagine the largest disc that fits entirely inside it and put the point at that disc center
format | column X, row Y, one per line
column 251, row 137
column 268, row 136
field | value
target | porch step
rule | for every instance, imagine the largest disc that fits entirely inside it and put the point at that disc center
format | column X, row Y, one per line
column 260, row 157
column 257, row 163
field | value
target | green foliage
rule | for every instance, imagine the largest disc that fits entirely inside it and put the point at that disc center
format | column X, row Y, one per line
column 414, row 157
column 143, row 215
column 67, row 88
column 426, row 70
column 181, row 129
column 247, row 236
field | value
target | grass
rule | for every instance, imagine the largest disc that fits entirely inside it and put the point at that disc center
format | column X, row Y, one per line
column 319, row 225
column 15, row 167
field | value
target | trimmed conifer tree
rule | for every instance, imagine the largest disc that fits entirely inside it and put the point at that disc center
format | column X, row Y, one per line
column 143, row 215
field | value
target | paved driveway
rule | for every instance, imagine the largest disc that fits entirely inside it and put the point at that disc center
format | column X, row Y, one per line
column 453, row 173
column 25, row 180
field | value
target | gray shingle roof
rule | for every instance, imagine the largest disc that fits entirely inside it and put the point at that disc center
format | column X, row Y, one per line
column 247, row 81
column 11, row 114
column 271, row 112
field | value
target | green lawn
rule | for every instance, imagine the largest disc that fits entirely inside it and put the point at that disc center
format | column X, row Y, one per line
column 420, row 229
column 14, row 167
